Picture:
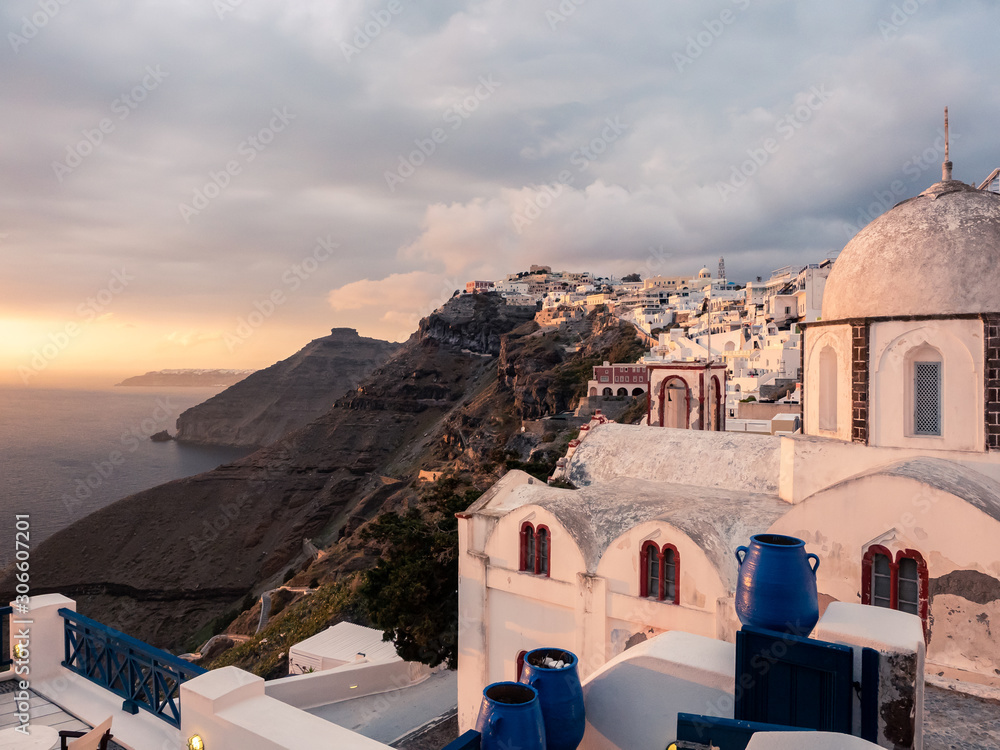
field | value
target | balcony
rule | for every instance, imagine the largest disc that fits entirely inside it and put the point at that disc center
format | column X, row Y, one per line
column 69, row 671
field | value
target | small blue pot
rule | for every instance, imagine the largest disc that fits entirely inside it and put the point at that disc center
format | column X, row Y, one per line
column 510, row 716
column 560, row 694
column 776, row 589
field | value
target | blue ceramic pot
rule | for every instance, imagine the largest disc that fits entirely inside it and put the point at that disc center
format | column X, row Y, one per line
column 510, row 716
column 777, row 586
column 560, row 694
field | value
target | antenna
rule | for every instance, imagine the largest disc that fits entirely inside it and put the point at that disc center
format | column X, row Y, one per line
column 946, row 167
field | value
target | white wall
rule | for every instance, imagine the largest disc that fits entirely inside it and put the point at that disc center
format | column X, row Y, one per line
column 840, row 523
column 960, row 343
column 838, row 338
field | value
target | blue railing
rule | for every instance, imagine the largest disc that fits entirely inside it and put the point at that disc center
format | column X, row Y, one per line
column 144, row 676
column 5, row 632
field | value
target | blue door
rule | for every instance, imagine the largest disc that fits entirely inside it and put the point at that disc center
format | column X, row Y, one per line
column 799, row 682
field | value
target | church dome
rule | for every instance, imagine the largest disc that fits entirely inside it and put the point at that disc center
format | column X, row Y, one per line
column 935, row 254
column 704, row 274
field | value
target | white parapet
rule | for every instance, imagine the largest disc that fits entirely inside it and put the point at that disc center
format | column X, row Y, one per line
column 632, row 702
column 812, row 740
column 229, row 710
column 899, row 639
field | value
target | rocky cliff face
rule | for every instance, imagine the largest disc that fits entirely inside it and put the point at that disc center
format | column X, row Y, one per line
column 271, row 403
column 162, row 563
column 476, row 322
column 547, row 369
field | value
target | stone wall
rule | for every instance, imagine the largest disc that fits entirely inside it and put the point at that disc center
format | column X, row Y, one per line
column 991, row 339
column 859, row 381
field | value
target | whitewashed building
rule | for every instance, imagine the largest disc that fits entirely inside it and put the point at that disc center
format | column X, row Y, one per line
column 895, row 483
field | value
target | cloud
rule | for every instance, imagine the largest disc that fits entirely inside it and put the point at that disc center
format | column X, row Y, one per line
column 648, row 198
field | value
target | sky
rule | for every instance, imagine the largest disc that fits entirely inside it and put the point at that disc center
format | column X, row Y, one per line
column 214, row 183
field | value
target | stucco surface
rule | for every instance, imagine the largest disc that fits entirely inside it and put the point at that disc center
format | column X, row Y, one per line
column 976, row 489
column 935, row 254
column 718, row 521
column 732, row 460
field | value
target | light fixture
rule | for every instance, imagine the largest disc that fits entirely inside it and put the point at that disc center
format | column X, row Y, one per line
column 20, row 651
column 195, row 742
column 352, row 687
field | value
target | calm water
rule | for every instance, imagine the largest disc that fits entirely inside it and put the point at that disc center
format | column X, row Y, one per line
column 66, row 453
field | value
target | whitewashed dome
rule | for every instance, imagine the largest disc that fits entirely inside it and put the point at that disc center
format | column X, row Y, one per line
column 935, row 254
column 704, row 274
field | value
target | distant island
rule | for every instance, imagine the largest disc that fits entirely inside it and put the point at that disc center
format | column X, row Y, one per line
column 188, row 378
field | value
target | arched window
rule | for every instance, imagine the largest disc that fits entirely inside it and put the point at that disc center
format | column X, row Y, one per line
column 925, row 374
column 659, row 573
column 527, row 547
column 828, row 389
column 670, row 574
column 901, row 584
column 535, row 549
column 542, row 554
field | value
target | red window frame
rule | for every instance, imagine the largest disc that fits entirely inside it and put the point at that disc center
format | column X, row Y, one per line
column 530, row 557
column 661, row 553
column 519, row 662
column 867, row 563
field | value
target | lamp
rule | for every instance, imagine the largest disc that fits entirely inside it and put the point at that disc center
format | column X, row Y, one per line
column 195, row 742
column 20, row 651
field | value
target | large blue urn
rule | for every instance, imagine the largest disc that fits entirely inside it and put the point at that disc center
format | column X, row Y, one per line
column 553, row 673
column 776, row 589
column 510, row 716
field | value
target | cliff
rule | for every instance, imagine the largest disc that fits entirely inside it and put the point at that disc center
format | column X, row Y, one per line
column 186, row 378
column 273, row 402
column 164, row 563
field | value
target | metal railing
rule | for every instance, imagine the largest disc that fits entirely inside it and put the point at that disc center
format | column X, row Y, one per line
column 144, row 676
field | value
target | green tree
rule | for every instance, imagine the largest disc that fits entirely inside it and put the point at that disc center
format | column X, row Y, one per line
column 412, row 592
column 630, row 278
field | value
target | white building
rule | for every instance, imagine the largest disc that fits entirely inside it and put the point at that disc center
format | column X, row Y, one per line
column 895, row 483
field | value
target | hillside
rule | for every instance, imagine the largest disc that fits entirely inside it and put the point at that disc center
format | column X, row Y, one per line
column 164, row 563
column 287, row 395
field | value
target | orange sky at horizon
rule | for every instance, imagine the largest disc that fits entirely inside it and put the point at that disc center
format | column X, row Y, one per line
column 81, row 353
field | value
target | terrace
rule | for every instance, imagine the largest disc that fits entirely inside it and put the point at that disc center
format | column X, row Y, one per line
column 81, row 672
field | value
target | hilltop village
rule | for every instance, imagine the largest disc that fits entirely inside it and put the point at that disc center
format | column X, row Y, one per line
column 753, row 332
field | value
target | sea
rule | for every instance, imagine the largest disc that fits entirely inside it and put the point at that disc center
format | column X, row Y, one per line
column 66, row 453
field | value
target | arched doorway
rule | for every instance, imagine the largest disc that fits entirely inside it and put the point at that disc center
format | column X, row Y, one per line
column 637, row 391
column 622, row 392
column 675, row 401
column 713, row 405
column 606, row 392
